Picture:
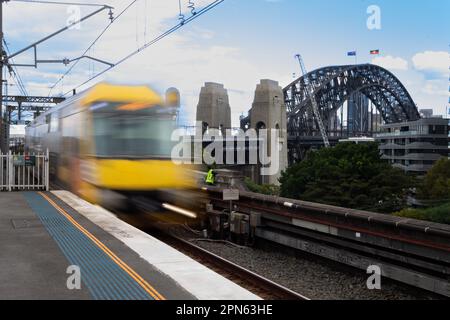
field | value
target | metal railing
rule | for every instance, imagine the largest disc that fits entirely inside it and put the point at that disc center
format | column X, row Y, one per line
column 24, row 171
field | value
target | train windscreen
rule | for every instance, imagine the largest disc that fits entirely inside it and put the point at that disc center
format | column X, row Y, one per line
column 133, row 131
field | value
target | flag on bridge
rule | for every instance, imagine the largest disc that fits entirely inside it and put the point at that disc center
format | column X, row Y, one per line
column 351, row 53
column 375, row 51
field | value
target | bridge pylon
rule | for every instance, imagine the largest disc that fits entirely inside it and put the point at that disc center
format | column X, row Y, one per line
column 213, row 108
column 269, row 112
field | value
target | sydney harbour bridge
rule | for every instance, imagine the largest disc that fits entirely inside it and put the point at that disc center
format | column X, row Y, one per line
column 373, row 96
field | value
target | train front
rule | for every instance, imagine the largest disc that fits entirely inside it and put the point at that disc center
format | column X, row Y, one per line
column 132, row 165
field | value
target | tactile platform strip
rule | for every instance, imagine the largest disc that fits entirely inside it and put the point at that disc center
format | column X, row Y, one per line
column 105, row 279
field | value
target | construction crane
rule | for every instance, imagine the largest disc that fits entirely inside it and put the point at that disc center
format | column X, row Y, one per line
column 310, row 92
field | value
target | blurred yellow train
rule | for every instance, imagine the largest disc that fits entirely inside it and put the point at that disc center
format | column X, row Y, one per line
column 111, row 144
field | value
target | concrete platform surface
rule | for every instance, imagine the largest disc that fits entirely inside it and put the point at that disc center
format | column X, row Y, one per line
column 44, row 234
column 31, row 264
column 198, row 280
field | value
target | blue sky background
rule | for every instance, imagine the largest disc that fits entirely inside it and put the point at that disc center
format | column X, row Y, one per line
column 242, row 41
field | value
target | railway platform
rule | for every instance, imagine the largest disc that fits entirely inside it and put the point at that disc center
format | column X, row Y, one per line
column 54, row 245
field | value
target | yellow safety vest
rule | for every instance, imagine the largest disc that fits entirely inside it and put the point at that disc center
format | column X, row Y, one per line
column 210, row 177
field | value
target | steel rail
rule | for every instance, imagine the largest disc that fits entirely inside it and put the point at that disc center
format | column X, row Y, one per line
column 278, row 212
column 256, row 282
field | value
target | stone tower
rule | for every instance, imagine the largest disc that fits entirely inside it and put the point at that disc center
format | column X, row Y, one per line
column 213, row 108
column 269, row 112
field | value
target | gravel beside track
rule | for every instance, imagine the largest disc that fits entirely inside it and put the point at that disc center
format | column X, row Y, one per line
column 315, row 278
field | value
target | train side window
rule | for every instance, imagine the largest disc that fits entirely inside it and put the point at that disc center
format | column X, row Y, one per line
column 47, row 122
column 52, row 121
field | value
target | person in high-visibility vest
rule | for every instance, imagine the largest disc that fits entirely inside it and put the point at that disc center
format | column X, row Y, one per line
column 210, row 177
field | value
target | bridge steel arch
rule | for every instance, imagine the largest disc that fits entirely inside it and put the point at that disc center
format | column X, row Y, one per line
column 333, row 85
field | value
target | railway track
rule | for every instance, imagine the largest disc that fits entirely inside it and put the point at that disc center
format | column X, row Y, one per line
column 412, row 269
column 169, row 233
column 259, row 285
column 255, row 283
column 409, row 251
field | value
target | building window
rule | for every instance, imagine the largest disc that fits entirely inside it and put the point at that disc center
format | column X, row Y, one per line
column 437, row 129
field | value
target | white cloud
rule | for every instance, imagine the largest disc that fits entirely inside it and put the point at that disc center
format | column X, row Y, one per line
column 391, row 63
column 432, row 61
column 436, row 88
column 427, row 93
column 185, row 59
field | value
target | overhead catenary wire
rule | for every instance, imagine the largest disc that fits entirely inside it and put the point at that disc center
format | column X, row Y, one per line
column 137, row 25
column 181, row 15
column 150, row 43
column 91, row 45
column 61, row 3
column 191, row 6
column 16, row 75
column 18, row 82
column 13, row 70
column 145, row 20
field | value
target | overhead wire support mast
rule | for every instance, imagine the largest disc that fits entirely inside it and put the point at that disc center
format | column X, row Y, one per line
column 35, row 44
column 61, row 3
column 6, row 57
column 315, row 107
column 64, row 61
column 3, row 142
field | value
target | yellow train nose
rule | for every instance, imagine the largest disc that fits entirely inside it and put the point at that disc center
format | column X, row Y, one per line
column 142, row 175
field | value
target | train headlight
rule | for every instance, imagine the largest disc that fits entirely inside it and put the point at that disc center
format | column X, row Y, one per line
column 179, row 210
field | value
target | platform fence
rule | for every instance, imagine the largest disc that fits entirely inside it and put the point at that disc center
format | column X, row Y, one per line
column 21, row 172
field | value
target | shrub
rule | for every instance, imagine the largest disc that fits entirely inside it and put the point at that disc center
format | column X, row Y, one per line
column 267, row 189
column 440, row 214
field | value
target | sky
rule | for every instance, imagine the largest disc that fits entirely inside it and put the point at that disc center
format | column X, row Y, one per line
column 237, row 43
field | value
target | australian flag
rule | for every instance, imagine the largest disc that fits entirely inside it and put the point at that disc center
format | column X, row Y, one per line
column 351, row 53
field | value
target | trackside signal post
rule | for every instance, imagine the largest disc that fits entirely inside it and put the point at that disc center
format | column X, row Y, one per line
column 231, row 195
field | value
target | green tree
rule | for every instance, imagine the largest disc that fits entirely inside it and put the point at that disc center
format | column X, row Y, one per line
column 436, row 185
column 434, row 193
column 349, row 175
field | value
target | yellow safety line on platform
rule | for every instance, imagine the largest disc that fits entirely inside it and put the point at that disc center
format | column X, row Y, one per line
column 144, row 284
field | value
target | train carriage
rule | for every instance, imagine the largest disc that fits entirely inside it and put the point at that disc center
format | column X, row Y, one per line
column 110, row 144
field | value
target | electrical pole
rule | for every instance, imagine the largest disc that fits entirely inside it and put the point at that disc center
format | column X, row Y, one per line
column 4, row 58
column 2, row 131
